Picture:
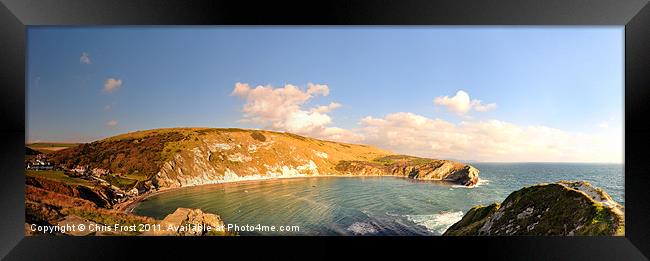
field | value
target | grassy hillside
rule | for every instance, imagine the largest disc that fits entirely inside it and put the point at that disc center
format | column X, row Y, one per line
column 564, row 208
column 52, row 145
column 178, row 157
column 58, row 176
column 140, row 155
column 45, row 147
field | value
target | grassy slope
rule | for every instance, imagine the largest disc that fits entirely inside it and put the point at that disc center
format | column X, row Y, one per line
column 58, row 176
column 261, row 152
column 45, row 147
column 133, row 158
column 140, row 155
column 554, row 210
column 52, row 144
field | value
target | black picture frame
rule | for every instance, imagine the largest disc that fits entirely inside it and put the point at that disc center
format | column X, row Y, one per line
column 15, row 15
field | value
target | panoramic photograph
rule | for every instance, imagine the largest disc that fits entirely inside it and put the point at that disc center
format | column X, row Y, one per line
column 325, row 131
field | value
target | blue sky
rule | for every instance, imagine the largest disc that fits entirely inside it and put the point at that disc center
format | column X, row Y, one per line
column 564, row 78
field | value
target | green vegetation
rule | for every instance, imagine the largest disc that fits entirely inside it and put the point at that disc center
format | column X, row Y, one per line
column 473, row 220
column 392, row 159
column 59, row 176
column 213, row 130
column 546, row 209
column 356, row 165
column 205, row 131
column 480, row 212
column 600, row 213
column 51, row 145
column 141, row 156
column 134, row 176
column 172, row 148
column 122, row 183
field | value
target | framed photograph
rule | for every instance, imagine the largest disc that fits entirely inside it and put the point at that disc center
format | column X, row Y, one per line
column 516, row 129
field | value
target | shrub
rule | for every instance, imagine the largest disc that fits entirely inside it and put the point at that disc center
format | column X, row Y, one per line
column 258, row 136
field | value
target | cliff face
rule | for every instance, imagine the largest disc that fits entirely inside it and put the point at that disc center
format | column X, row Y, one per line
column 241, row 156
column 562, row 208
column 180, row 157
column 411, row 167
column 216, row 155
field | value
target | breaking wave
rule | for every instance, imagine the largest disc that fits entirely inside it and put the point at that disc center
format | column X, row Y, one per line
column 437, row 223
column 481, row 182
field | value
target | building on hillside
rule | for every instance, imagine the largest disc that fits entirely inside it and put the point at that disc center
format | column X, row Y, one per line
column 39, row 164
column 79, row 169
column 133, row 192
column 99, row 172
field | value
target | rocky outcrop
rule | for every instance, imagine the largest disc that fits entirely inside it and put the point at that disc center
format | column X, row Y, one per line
column 412, row 167
column 190, row 222
column 70, row 213
column 182, row 171
column 48, row 208
column 563, row 208
column 99, row 195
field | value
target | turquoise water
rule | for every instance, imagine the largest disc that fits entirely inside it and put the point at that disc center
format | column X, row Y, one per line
column 371, row 205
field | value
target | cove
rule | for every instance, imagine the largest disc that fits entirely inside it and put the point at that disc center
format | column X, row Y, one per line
column 368, row 205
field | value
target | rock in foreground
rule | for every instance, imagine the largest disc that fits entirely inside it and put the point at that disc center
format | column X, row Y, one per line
column 563, row 208
column 190, row 222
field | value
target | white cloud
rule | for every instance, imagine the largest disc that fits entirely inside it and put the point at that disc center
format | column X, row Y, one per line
column 490, row 140
column 326, row 108
column 85, row 58
column 461, row 103
column 476, row 104
column 111, row 123
column 318, row 88
column 603, row 125
column 241, row 89
column 282, row 109
column 112, row 85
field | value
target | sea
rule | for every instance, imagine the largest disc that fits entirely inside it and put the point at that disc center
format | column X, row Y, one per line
column 370, row 206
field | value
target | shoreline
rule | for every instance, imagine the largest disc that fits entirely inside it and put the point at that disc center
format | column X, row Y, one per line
column 128, row 206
